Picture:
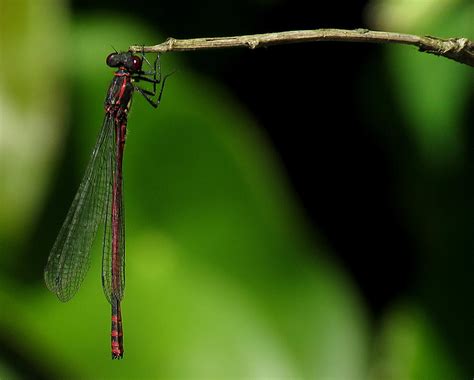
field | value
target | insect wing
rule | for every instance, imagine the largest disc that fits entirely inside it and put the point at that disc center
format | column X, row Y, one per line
column 113, row 269
column 69, row 259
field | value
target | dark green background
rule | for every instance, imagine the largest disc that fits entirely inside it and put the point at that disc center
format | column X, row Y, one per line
column 300, row 211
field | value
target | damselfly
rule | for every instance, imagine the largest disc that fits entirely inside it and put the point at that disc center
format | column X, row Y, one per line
column 99, row 198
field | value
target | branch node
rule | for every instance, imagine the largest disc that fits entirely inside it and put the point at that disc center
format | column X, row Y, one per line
column 462, row 43
column 252, row 43
column 170, row 41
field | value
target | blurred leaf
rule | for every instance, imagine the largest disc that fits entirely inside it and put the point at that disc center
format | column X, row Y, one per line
column 396, row 15
column 432, row 91
column 409, row 348
column 434, row 165
column 31, row 108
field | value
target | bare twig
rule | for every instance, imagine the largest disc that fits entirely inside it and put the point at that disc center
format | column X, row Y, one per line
column 458, row 49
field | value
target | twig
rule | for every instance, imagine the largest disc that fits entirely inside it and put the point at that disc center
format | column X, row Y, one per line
column 458, row 49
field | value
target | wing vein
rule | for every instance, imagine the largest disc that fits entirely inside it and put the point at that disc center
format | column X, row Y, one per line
column 69, row 259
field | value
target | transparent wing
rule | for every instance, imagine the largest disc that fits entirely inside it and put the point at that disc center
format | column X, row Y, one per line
column 113, row 271
column 69, row 259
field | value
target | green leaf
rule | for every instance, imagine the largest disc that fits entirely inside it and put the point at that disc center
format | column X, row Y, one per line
column 410, row 348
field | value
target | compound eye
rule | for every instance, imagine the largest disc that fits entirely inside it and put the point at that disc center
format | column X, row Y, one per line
column 136, row 63
column 113, row 60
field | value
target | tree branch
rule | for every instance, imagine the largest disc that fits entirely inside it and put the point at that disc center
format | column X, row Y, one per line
column 457, row 49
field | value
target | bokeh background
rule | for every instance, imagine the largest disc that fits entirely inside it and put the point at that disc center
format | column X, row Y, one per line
column 301, row 211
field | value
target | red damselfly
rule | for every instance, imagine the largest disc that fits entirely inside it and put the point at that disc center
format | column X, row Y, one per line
column 99, row 198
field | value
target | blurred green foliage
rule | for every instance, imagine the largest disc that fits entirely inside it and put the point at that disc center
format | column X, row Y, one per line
column 409, row 348
column 30, row 121
column 224, row 279
column 433, row 165
column 432, row 93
